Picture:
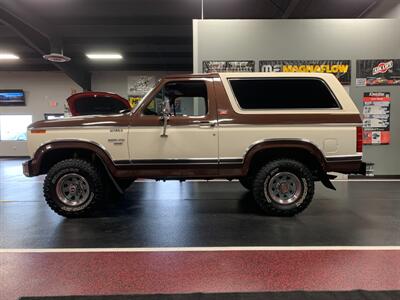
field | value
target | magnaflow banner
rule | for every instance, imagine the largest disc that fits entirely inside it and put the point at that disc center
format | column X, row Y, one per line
column 210, row 66
column 340, row 68
column 373, row 72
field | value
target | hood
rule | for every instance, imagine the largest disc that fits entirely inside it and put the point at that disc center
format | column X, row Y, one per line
column 96, row 103
column 85, row 121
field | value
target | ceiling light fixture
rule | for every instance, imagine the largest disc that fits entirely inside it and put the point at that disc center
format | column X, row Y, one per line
column 56, row 57
column 104, row 56
column 8, row 56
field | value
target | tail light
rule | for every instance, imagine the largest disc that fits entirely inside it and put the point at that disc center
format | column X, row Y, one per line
column 359, row 139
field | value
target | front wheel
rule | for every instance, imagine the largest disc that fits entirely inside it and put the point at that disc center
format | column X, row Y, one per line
column 246, row 182
column 283, row 187
column 72, row 187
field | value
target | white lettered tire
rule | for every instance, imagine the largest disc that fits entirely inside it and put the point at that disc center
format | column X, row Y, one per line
column 72, row 187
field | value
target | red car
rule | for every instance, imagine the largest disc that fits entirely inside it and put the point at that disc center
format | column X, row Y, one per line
column 97, row 103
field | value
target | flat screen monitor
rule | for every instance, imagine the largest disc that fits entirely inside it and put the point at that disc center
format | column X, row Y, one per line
column 12, row 97
column 50, row 116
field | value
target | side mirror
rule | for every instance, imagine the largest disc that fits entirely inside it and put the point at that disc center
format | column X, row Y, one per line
column 166, row 112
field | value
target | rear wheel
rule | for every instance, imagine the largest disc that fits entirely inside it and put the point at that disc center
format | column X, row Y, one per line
column 72, row 187
column 283, row 187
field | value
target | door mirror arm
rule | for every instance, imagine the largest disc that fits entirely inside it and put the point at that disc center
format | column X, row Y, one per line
column 165, row 117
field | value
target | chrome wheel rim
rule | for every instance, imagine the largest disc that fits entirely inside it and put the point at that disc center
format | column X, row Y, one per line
column 72, row 189
column 283, row 188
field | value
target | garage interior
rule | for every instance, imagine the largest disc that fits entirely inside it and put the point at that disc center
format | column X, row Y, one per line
column 195, row 239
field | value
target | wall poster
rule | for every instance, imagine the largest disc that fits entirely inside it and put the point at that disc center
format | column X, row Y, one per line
column 376, row 121
column 138, row 86
column 372, row 72
column 134, row 100
column 340, row 68
column 210, row 66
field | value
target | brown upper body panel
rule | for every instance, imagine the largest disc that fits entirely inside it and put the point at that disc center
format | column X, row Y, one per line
column 220, row 108
column 85, row 121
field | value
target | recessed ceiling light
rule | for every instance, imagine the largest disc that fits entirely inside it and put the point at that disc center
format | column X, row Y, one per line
column 8, row 56
column 104, row 56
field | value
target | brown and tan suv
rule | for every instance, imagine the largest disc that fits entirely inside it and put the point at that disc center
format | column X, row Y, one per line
column 275, row 132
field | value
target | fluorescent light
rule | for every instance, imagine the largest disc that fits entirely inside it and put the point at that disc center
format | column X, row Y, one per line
column 8, row 56
column 104, row 56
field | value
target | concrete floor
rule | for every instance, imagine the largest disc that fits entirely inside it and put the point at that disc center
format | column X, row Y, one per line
column 198, row 214
column 37, row 259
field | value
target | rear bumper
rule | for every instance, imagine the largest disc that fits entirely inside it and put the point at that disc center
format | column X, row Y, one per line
column 363, row 168
column 346, row 165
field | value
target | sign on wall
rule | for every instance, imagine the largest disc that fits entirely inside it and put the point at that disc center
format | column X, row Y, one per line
column 134, row 100
column 376, row 121
column 373, row 72
column 210, row 66
column 140, row 85
column 340, row 68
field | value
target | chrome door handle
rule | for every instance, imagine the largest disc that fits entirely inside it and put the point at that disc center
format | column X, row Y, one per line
column 205, row 123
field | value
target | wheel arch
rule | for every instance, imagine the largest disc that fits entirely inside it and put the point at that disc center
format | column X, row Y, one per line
column 51, row 152
column 266, row 150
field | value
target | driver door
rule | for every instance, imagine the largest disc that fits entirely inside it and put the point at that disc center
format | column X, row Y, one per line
column 190, row 146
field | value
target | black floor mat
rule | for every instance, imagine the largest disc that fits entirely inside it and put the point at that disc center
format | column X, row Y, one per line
column 300, row 295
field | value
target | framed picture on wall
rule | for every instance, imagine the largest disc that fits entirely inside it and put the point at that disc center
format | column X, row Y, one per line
column 378, row 72
column 210, row 66
column 12, row 98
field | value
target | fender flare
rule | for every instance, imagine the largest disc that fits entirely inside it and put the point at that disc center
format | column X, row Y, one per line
column 103, row 155
column 270, row 144
column 94, row 147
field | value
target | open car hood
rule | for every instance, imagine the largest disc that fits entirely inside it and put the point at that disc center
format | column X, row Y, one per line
column 96, row 103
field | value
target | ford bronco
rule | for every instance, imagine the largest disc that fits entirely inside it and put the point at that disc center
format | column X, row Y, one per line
column 277, row 133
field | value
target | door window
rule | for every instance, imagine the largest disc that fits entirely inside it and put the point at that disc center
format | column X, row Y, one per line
column 185, row 98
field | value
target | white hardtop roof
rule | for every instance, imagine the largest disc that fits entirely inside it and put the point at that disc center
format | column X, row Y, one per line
column 275, row 74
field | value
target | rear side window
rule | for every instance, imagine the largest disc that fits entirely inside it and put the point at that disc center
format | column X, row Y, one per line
column 282, row 93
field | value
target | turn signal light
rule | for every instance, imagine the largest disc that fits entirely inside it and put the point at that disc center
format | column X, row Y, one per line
column 38, row 131
column 359, row 139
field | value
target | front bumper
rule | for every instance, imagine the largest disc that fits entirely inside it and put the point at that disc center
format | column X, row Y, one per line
column 28, row 168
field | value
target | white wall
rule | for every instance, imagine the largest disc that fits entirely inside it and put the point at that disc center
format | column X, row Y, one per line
column 311, row 39
column 40, row 88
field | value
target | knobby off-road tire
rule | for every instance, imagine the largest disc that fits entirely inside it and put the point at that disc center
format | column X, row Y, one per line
column 246, row 182
column 73, row 187
column 283, row 187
